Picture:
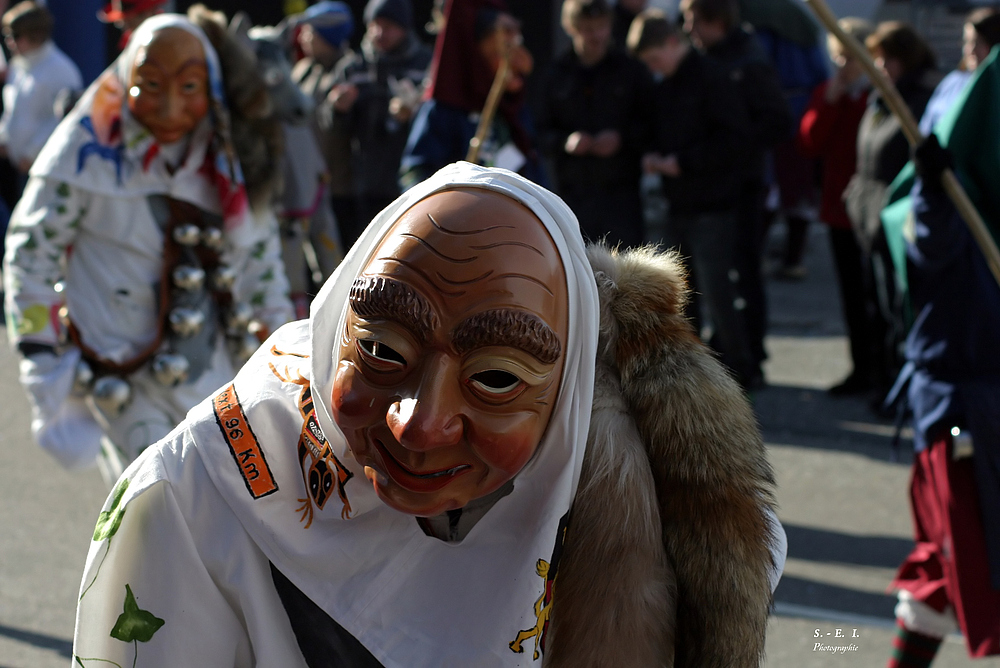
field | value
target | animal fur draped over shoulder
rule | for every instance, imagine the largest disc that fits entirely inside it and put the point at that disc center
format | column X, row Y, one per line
column 667, row 558
column 256, row 132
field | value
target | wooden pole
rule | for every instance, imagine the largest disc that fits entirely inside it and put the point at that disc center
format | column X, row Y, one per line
column 895, row 102
column 490, row 108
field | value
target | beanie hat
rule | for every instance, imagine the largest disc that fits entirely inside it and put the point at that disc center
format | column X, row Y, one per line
column 331, row 20
column 399, row 12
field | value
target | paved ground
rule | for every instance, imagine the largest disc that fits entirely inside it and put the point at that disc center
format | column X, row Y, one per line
column 842, row 499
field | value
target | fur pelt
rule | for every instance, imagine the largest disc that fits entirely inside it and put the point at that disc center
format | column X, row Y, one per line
column 673, row 443
column 256, row 133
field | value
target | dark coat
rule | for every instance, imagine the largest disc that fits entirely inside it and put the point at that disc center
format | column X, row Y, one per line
column 750, row 68
column 700, row 116
column 613, row 94
column 377, row 139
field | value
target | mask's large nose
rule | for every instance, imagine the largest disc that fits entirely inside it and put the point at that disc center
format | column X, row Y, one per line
column 432, row 417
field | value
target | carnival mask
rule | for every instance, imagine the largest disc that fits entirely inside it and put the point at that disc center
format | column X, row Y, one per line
column 168, row 87
column 452, row 353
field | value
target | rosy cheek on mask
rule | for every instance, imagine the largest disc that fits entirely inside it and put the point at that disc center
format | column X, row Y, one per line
column 510, row 449
column 352, row 400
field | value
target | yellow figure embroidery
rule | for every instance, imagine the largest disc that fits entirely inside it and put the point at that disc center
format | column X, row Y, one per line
column 543, row 608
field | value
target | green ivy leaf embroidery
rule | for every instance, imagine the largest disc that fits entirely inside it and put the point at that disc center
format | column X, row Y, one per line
column 61, row 209
column 109, row 520
column 258, row 250
column 62, row 190
column 257, row 299
column 134, row 623
column 267, row 276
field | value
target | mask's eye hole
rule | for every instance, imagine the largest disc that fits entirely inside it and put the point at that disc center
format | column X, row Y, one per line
column 379, row 356
column 496, row 385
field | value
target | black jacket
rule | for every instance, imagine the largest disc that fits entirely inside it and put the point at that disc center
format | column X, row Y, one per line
column 700, row 116
column 613, row 94
column 750, row 68
column 377, row 139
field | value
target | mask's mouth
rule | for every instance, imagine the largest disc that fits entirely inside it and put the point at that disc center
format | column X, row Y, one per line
column 416, row 481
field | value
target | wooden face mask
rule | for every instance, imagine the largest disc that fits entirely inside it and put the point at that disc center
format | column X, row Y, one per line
column 451, row 357
column 168, row 88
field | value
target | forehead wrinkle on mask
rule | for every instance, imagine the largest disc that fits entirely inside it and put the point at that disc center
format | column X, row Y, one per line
column 508, row 243
column 429, row 246
column 525, row 277
column 422, row 274
column 445, row 230
column 471, row 281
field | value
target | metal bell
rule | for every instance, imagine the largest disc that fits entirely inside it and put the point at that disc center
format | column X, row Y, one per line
column 187, row 234
column 187, row 277
column 239, row 317
column 185, row 321
column 111, row 394
column 212, row 238
column 224, row 278
column 170, row 369
column 83, row 378
column 64, row 316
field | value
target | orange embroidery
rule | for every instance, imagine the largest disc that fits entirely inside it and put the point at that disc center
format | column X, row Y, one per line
column 243, row 444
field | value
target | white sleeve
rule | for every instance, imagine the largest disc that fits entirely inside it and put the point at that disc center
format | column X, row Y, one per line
column 147, row 597
column 262, row 282
column 43, row 225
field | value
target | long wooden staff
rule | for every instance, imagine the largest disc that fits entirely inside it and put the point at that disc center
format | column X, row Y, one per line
column 963, row 204
column 490, row 108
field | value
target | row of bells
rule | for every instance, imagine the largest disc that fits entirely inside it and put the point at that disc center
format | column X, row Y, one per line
column 113, row 393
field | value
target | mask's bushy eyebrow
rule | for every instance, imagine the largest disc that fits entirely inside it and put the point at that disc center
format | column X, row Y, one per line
column 382, row 297
column 508, row 327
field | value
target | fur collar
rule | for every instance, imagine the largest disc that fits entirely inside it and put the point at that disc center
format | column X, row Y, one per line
column 667, row 558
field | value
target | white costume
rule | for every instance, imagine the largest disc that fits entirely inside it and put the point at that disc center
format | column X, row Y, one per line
column 179, row 575
column 93, row 218
column 33, row 82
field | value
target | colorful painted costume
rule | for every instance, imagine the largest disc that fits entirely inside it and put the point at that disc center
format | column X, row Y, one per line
column 254, row 519
column 141, row 243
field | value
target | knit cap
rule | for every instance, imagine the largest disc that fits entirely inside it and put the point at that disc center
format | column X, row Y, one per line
column 399, row 12
column 331, row 20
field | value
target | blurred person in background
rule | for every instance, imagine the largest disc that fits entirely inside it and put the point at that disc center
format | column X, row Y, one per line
column 907, row 60
column 829, row 131
column 141, row 269
column 980, row 33
column 698, row 124
column 792, row 39
column 39, row 72
column 323, row 34
column 594, row 125
column 468, row 54
column 715, row 29
column 625, row 12
column 951, row 381
column 381, row 87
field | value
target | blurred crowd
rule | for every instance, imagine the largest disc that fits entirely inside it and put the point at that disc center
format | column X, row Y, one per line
column 696, row 132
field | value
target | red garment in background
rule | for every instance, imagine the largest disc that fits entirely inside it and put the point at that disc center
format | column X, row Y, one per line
column 830, row 132
column 948, row 565
column 461, row 77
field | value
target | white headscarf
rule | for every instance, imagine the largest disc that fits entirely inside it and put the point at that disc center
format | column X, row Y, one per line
column 411, row 599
